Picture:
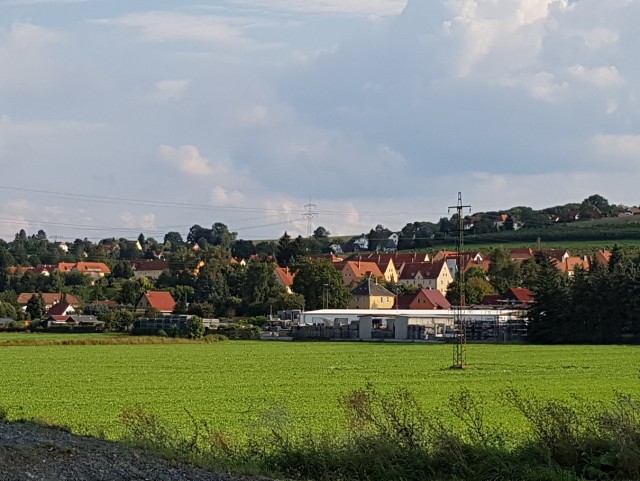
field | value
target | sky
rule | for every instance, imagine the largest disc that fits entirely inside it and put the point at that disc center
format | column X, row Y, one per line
column 121, row 117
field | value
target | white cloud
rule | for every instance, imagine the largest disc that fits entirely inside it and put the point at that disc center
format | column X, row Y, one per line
column 599, row 37
column 169, row 90
column 543, row 86
column 148, row 221
column 187, row 158
column 599, row 76
column 27, row 54
column 255, row 115
column 221, row 196
column 619, row 146
column 172, row 27
column 133, row 221
column 19, row 205
column 345, row 7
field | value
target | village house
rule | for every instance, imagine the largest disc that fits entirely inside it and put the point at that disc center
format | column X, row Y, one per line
column 150, row 269
column 371, row 295
column 432, row 275
column 49, row 298
column 60, row 309
column 95, row 270
column 162, row 301
column 284, row 278
column 429, row 299
column 385, row 263
column 354, row 271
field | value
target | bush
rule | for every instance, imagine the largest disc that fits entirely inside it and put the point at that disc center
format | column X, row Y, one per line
column 388, row 436
column 162, row 333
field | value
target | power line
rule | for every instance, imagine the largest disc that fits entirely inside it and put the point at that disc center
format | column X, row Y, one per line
column 460, row 348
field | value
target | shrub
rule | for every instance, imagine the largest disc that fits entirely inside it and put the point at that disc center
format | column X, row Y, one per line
column 162, row 333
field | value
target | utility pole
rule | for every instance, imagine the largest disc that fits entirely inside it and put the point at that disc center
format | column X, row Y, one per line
column 460, row 348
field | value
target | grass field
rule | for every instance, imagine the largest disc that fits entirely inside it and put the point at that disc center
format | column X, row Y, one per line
column 47, row 336
column 230, row 383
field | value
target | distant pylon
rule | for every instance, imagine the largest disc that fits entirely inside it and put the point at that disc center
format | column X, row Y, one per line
column 460, row 348
column 309, row 214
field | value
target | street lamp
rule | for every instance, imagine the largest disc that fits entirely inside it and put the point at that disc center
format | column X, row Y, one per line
column 325, row 296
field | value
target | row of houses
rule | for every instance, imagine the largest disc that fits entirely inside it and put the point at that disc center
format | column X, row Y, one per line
column 57, row 304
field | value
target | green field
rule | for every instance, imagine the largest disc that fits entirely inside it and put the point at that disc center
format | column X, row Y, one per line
column 47, row 336
column 229, row 383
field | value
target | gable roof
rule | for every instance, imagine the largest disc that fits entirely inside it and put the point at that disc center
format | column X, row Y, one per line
column 570, row 264
column 160, row 300
column 285, row 276
column 84, row 267
column 521, row 253
column 49, row 298
column 369, row 287
column 428, row 270
column 435, row 298
column 603, row 257
column 60, row 309
column 519, row 294
column 149, row 265
column 360, row 268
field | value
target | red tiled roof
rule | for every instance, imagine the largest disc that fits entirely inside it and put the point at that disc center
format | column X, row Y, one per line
column 285, row 275
column 428, row 270
column 571, row 263
column 160, row 300
column 361, row 269
column 89, row 267
column 58, row 309
column 603, row 257
column 521, row 253
column 491, row 300
column 150, row 265
column 435, row 298
column 519, row 294
column 49, row 298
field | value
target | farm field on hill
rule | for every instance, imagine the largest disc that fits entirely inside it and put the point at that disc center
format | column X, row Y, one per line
column 232, row 383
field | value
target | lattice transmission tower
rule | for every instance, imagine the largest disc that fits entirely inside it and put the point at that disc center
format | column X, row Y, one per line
column 460, row 347
column 310, row 213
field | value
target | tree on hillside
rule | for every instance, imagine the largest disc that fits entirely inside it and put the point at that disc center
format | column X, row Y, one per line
column 195, row 328
column 122, row 270
column 317, row 276
column 476, row 287
column 173, row 239
column 36, row 307
column 548, row 314
column 503, row 271
column 243, row 249
column 289, row 251
column 378, row 238
column 221, row 236
column 321, row 233
column 261, row 290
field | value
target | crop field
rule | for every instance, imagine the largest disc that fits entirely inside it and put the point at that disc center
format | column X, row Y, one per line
column 13, row 337
column 231, row 384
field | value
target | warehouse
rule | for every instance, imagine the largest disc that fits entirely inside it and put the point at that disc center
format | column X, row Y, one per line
column 413, row 324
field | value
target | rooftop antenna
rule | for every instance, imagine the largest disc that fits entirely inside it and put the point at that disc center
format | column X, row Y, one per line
column 460, row 348
column 309, row 214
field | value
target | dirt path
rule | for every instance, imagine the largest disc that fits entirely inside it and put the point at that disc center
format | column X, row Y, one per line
column 32, row 452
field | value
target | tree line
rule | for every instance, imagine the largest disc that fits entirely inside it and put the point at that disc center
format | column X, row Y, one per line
column 601, row 305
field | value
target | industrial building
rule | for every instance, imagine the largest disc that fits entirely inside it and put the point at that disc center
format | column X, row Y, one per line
column 411, row 324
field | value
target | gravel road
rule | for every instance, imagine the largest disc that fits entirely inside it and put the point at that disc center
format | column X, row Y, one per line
column 32, row 452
